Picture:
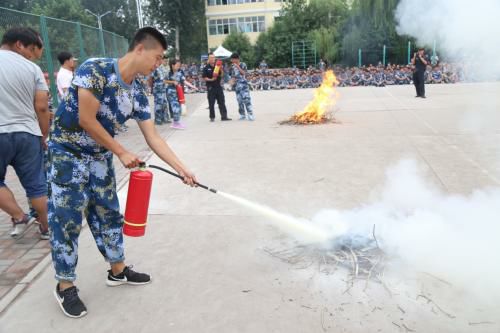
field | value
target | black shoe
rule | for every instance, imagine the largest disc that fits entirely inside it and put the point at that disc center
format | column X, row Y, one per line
column 417, row 96
column 71, row 305
column 226, row 119
column 212, row 120
column 423, row 96
column 128, row 276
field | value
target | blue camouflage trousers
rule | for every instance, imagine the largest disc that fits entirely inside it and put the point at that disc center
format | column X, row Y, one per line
column 243, row 98
column 173, row 101
column 161, row 106
column 77, row 187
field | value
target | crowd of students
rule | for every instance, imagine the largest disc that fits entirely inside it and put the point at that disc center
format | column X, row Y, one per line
column 294, row 78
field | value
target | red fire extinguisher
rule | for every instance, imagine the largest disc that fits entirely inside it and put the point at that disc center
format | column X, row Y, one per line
column 218, row 66
column 180, row 93
column 136, row 211
column 182, row 99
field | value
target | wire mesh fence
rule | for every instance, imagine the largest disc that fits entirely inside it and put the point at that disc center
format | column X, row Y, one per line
column 81, row 40
column 386, row 54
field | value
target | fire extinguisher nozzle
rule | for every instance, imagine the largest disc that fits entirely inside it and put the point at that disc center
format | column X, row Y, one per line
column 178, row 176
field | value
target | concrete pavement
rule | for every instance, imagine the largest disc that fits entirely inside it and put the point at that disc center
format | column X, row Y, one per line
column 209, row 258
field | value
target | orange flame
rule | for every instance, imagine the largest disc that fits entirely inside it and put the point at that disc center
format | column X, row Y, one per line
column 325, row 97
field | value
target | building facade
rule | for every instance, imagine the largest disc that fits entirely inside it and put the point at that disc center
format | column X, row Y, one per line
column 251, row 17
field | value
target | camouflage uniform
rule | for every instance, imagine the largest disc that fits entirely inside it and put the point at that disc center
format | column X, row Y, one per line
column 266, row 83
column 159, row 94
column 242, row 90
column 172, row 97
column 81, row 176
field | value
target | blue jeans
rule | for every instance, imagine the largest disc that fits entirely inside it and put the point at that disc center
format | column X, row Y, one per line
column 24, row 152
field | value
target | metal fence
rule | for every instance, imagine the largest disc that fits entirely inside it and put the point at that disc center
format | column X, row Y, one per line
column 393, row 54
column 304, row 54
column 81, row 40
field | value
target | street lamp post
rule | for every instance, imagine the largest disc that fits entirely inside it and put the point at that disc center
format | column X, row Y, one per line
column 139, row 13
column 101, row 35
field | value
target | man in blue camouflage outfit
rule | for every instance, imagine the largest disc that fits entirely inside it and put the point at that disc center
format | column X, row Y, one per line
column 242, row 89
column 103, row 95
column 162, row 115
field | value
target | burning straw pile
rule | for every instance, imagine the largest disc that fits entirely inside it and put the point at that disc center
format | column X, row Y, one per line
column 320, row 109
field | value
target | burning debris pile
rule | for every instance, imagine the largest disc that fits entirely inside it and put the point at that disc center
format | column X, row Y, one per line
column 361, row 256
column 320, row 109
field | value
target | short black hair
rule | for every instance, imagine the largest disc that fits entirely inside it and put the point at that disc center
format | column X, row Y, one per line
column 63, row 57
column 26, row 36
column 147, row 34
column 235, row 56
column 39, row 42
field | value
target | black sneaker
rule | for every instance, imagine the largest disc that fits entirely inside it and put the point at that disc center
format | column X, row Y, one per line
column 128, row 276
column 71, row 305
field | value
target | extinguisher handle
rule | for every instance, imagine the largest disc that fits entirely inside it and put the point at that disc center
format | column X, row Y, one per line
column 143, row 165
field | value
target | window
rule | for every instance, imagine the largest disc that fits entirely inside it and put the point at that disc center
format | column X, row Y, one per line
column 240, row 24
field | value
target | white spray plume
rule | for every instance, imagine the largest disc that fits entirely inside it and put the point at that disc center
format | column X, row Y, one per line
column 301, row 229
column 454, row 237
column 464, row 30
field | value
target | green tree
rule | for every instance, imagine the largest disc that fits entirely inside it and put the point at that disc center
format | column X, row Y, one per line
column 62, row 9
column 184, row 23
column 327, row 43
column 371, row 25
column 22, row 5
column 123, row 17
column 240, row 43
column 296, row 22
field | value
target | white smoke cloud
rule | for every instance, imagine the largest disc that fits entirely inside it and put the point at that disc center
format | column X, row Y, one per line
column 451, row 236
column 464, row 30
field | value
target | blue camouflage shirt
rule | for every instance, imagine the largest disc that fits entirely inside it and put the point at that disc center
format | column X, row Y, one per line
column 177, row 76
column 159, row 76
column 119, row 102
column 236, row 74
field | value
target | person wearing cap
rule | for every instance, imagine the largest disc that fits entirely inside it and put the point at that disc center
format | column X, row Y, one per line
column 65, row 74
column 238, row 76
column 420, row 62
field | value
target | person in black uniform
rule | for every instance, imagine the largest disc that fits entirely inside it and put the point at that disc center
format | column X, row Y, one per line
column 420, row 62
column 214, row 89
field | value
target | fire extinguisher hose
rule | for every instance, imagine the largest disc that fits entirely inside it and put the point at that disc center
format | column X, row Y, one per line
column 143, row 165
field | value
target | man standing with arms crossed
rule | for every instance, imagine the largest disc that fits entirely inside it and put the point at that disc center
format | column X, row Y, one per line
column 24, row 126
column 104, row 94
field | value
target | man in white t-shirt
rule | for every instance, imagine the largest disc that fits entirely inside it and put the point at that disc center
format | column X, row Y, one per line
column 65, row 74
column 24, row 126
